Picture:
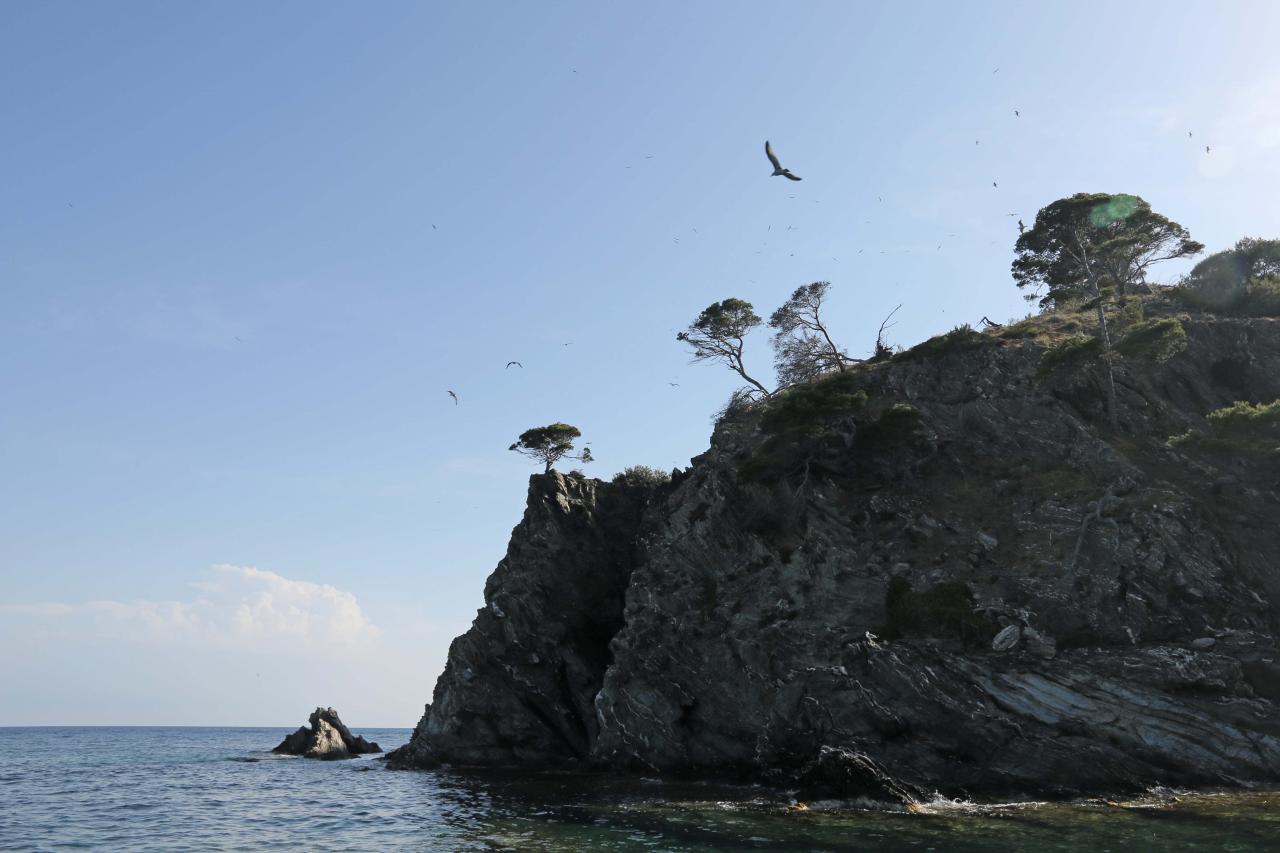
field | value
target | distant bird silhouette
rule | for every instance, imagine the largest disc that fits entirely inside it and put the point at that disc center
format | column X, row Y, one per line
column 1021, row 227
column 516, row 363
column 1017, row 114
column 1206, row 149
column 1188, row 134
column 994, row 184
column 569, row 344
column 433, row 227
column 674, row 384
column 69, row 204
column 454, row 396
column 777, row 166
column 975, row 142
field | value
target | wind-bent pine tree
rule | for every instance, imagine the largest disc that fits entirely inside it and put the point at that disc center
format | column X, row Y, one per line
column 549, row 444
column 718, row 335
column 802, row 346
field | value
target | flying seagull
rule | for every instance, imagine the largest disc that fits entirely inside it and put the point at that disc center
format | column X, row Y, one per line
column 1021, row 227
column 674, row 384
column 455, row 397
column 777, row 167
column 516, row 363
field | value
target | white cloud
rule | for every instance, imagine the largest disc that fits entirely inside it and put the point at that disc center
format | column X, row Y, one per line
column 237, row 607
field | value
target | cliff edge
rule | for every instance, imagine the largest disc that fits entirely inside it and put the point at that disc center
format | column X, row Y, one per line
column 944, row 572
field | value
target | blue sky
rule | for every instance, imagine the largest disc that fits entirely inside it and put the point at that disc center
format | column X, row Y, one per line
column 245, row 248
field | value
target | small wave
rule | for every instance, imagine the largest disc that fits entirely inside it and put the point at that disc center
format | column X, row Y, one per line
column 941, row 805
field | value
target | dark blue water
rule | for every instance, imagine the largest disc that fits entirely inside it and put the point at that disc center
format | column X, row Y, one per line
column 176, row 789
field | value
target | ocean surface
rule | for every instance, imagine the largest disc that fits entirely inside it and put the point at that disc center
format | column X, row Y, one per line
column 176, row 789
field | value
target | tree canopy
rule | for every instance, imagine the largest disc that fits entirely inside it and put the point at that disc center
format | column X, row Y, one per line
column 802, row 346
column 1246, row 277
column 1089, row 242
column 718, row 334
column 549, row 444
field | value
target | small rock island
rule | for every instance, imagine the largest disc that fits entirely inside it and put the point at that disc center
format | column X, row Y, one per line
column 327, row 738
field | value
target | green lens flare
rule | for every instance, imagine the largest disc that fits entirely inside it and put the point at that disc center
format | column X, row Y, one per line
column 1118, row 207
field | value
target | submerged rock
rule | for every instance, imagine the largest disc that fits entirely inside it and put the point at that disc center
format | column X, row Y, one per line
column 326, row 738
column 813, row 606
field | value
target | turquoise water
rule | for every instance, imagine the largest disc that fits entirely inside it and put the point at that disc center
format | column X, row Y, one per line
column 176, row 789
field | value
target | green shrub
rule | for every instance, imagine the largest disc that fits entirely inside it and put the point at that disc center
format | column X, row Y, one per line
column 1159, row 339
column 945, row 610
column 811, row 409
column 1072, row 352
column 641, row 475
column 1248, row 420
column 1242, row 280
column 1241, row 427
column 899, row 426
column 960, row 338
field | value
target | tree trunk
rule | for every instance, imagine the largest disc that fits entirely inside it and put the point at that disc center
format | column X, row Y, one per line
column 1105, row 336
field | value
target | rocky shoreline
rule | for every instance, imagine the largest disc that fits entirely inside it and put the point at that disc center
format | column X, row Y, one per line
column 956, row 579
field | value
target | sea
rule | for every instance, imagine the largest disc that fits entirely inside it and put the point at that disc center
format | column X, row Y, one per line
column 212, row 789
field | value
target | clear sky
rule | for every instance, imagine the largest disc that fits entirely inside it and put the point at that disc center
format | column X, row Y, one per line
column 245, row 249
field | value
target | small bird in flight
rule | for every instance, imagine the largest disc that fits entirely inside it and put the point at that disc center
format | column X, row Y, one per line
column 1188, row 134
column 454, row 396
column 569, row 344
column 1017, row 114
column 777, row 166
column 1206, row 149
column 1021, row 227
column 994, row 184
column 516, row 363
column 674, row 384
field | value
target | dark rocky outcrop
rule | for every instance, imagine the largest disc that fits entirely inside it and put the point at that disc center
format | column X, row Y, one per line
column 964, row 583
column 325, row 737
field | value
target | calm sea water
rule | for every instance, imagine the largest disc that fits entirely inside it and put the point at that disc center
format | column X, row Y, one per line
column 175, row 789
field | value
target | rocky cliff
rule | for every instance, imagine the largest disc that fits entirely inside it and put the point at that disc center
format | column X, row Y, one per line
column 944, row 572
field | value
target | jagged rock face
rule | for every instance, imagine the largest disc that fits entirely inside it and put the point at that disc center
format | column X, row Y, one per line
column 518, row 687
column 325, row 737
column 996, row 597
